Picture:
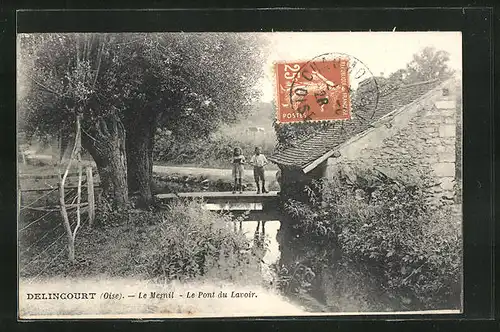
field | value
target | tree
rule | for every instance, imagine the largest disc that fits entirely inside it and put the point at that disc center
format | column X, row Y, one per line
column 126, row 85
column 427, row 65
column 193, row 83
column 65, row 76
column 399, row 76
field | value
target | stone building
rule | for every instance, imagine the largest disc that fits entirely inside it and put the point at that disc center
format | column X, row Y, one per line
column 415, row 132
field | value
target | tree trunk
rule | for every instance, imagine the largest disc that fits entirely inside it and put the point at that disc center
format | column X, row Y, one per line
column 140, row 140
column 105, row 141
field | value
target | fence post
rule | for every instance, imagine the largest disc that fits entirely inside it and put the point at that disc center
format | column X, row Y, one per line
column 90, row 192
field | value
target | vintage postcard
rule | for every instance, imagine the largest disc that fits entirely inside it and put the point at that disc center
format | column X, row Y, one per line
column 167, row 175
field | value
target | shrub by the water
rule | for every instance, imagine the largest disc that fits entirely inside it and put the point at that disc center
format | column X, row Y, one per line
column 184, row 242
column 191, row 242
column 387, row 226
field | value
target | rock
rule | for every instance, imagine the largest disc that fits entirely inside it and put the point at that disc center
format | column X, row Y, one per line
column 444, row 169
column 447, row 183
column 445, row 104
column 446, row 157
column 447, row 130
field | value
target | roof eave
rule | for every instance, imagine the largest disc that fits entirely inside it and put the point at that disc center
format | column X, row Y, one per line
column 387, row 117
column 309, row 167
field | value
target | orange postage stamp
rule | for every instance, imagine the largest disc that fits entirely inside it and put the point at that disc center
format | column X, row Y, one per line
column 313, row 90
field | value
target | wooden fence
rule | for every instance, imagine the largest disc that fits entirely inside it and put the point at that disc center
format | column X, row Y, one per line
column 89, row 183
column 41, row 231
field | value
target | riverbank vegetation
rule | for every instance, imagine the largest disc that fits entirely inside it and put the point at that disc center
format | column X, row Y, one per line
column 183, row 242
column 386, row 230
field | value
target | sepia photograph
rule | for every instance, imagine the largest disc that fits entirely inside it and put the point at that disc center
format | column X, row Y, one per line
column 239, row 174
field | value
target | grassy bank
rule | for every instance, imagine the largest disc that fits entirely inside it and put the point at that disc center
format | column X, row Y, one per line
column 183, row 249
column 184, row 242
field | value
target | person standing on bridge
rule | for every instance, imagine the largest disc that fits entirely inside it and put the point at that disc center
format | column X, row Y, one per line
column 258, row 161
column 238, row 169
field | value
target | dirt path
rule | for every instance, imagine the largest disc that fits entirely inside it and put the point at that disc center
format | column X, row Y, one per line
column 211, row 173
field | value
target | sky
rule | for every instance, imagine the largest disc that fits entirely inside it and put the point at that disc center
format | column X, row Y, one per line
column 381, row 52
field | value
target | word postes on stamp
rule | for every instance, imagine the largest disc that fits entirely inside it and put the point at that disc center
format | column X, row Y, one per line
column 313, row 90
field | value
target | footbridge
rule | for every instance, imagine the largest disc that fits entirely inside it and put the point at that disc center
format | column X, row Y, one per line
column 260, row 206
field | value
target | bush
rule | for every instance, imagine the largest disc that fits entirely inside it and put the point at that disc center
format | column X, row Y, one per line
column 184, row 242
column 388, row 227
column 216, row 150
column 191, row 242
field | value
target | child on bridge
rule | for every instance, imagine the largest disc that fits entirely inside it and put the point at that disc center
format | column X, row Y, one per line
column 258, row 161
column 238, row 169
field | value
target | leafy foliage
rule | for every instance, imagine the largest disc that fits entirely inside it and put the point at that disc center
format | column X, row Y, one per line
column 132, row 72
column 386, row 225
column 215, row 150
column 192, row 242
column 186, row 83
column 429, row 64
column 185, row 242
column 216, row 68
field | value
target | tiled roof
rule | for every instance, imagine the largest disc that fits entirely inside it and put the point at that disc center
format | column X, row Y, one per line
column 303, row 152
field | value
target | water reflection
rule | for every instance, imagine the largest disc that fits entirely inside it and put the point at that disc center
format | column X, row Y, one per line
column 265, row 245
column 277, row 247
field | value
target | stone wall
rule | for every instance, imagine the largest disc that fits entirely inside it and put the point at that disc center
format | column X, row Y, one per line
column 415, row 142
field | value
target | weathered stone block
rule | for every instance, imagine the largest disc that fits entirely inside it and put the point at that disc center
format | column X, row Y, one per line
column 447, row 183
column 446, row 113
column 429, row 159
column 450, row 120
column 431, row 117
column 441, row 148
column 447, row 131
column 448, row 141
column 436, row 121
column 448, row 156
column 444, row 169
column 445, row 104
column 434, row 141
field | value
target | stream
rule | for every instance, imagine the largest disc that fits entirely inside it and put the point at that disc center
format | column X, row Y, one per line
column 290, row 263
column 315, row 288
column 268, row 233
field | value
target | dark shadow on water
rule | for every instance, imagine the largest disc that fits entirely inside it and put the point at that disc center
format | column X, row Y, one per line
column 314, row 275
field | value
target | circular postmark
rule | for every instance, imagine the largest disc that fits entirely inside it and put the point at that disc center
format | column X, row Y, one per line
column 332, row 86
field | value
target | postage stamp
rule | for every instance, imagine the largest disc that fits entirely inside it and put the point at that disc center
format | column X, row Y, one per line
column 313, row 90
column 328, row 87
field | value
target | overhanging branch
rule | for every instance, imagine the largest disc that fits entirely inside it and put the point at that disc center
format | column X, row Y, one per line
column 43, row 86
